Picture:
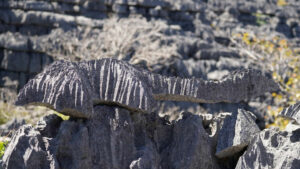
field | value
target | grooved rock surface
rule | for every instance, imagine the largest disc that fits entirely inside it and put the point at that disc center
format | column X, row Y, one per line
column 28, row 149
column 178, row 31
column 236, row 133
column 115, row 139
column 292, row 112
column 273, row 149
column 190, row 141
column 73, row 88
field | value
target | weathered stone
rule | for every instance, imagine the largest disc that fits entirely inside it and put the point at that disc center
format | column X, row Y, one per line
column 27, row 150
column 46, row 60
column 15, row 61
column 32, row 30
column 272, row 148
column 49, row 125
column 11, row 126
column 73, row 147
column 118, row 148
column 35, row 63
column 121, row 9
column 14, row 42
column 73, row 88
column 292, row 112
column 9, row 79
column 45, row 18
column 22, row 80
column 95, row 5
column 236, row 133
column 190, row 147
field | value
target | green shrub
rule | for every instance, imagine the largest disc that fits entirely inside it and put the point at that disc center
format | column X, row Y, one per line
column 284, row 61
column 3, row 145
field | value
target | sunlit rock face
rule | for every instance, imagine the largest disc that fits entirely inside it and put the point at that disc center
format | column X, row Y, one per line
column 74, row 88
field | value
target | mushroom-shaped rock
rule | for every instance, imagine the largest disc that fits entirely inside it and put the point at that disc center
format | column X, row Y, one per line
column 292, row 112
column 236, row 133
column 73, row 88
column 63, row 86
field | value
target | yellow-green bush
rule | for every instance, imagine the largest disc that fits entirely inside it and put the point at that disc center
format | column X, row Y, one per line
column 284, row 61
column 3, row 145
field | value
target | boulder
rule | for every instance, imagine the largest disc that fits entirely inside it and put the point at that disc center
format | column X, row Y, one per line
column 115, row 138
column 236, row 133
column 272, row 148
column 191, row 146
column 27, row 149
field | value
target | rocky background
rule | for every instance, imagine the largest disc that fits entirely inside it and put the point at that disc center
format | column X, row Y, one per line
column 185, row 38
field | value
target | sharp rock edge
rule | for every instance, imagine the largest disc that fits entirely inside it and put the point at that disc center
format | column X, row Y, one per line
column 73, row 88
column 292, row 112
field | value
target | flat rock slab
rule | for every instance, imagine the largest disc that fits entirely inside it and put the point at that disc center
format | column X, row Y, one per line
column 273, row 149
column 236, row 133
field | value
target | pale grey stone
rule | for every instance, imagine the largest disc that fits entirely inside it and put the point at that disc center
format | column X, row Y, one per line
column 11, row 126
column 120, row 9
column 45, row 18
column 272, row 148
column 236, row 133
column 27, row 150
column 73, row 88
column 14, row 41
column 9, row 79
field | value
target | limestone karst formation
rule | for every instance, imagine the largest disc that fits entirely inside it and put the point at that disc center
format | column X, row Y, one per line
column 149, row 84
column 108, row 129
column 74, row 88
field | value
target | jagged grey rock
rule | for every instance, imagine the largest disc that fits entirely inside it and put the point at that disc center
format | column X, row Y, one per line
column 114, row 138
column 292, row 112
column 272, row 148
column 73, row 88
column 190, row 147
column 236, row 133
column 27, row 149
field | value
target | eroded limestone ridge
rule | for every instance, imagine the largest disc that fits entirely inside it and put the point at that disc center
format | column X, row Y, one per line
column 74, row 88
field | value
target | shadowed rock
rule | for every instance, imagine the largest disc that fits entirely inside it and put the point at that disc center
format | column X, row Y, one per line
column 292, row 112
column 191, row 146
column 74, row 87
column 28, row 145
